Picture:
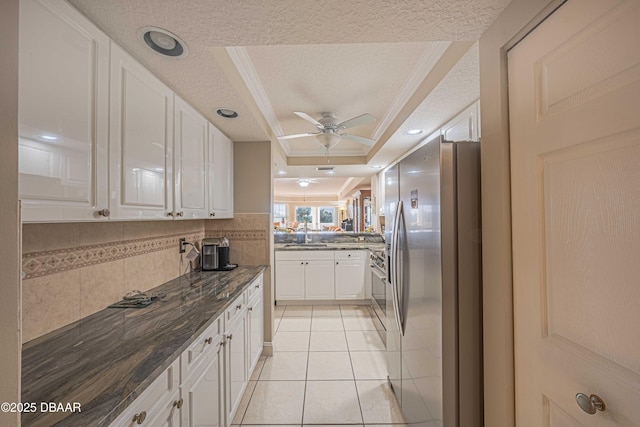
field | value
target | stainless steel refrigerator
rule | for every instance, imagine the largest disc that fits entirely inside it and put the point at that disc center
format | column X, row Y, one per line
column 434, row 322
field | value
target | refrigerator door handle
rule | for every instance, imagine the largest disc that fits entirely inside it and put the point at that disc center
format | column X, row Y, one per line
column 394, row 264
column 400, row 281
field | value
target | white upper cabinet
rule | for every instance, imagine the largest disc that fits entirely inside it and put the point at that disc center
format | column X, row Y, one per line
column 220, row 174
column 141, row 141
column 190, row 150
column 63, row 114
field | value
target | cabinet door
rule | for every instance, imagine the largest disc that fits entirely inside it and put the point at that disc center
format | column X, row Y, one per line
column 220, row 174
column 158, row 405
column 140, row 141
column 289, row 278
column 202, row 392
column 256, row 329
column 319, row 281
column 63, row 114
column 190, row 141
column 236, row 363
column 349, row 279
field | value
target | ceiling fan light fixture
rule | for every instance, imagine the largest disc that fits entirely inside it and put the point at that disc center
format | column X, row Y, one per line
column 328, row 140
column 303, row 183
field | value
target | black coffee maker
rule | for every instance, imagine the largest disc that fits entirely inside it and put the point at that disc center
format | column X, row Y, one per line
column 216, row 254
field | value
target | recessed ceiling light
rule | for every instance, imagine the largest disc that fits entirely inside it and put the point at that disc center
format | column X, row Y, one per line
column 226, row 113
column 163, row 42
column 412, row 132
column 49, row 137
column 282, row 172
column 376, row 166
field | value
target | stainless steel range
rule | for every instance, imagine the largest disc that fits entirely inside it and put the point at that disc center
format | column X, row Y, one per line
column 378, row 269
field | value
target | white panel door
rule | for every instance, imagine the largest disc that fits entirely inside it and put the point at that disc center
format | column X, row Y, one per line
column 190, row 142
column 574, row 99
column 349, row 279
column 289, row 278
column 220, row 174
column 140, row 141
column 319, row 280
column 63, row 114
column 236, row 363
column 201, row 392
column 256, row 329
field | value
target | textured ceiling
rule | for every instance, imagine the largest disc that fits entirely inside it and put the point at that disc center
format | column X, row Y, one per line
column 349, row 57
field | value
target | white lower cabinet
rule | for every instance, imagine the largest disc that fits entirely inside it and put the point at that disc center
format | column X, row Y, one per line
column 158, row 405
column 304, row 275
column 349, row 274
column 236, row 354
column 255, row 316
column 320, row 275
column 204, row 386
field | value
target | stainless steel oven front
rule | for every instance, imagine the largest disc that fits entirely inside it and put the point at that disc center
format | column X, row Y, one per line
column 377, row 267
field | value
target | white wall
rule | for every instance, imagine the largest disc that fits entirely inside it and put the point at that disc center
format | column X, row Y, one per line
column 9, row 216
column 514, row 22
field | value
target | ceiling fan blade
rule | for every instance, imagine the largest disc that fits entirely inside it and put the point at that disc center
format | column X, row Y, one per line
column 307, row 118
column 356, row 121
column 360, row 139
column 297, row 135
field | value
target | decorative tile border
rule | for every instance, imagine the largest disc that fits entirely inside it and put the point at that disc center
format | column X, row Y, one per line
column 246, row 235
column 37, row 264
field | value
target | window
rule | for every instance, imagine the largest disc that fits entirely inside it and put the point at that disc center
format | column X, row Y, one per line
column 326, row 215
column 304, row 214
column 280, row 213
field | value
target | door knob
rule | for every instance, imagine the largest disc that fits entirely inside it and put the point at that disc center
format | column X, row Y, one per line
column 104, row 212
column 590, row 404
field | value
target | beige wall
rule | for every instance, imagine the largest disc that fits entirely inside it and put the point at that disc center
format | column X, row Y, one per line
column 514, row 22
column 9, row 216
column 76, row 269
column 250, row 232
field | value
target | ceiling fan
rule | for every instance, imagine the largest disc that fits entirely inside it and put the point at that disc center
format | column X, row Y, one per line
column 328, row 127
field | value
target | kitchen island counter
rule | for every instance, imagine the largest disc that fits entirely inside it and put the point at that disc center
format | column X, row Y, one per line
column 106, row 360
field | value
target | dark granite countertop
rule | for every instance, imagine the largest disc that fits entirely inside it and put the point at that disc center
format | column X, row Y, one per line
column 327, row 246
column 106, row 360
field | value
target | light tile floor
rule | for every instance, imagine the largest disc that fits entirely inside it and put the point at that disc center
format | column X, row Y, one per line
column 328, row 369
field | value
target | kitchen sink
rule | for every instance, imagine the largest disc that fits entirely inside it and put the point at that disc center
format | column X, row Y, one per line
column 306, row 245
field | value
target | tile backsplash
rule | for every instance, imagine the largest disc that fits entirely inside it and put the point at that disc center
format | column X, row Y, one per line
column 73, row 270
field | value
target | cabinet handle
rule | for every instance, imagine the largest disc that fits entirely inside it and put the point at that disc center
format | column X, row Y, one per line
column 104, row 212
column 306, row 263
column 180, row 214
column 302, row 263
column 230, row 337
column 250, row 308
column 178, row 403
column 257, row 286
column 139, row 418
column 208, row 340
column 212, row 214
column 349, row 256
column 170, row 214
column 238, row 307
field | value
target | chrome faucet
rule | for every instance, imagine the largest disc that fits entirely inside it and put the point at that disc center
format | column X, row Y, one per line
column 307, row 239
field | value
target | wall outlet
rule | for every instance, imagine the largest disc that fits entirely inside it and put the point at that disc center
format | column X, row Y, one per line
column 360, row 238
column 183, row 244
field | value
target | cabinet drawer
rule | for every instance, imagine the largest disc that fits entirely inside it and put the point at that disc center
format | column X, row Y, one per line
column 193, row 355
column 349, row 255
column 236, row 309
column 255, row 287
column 160, row 394
column 304, row 255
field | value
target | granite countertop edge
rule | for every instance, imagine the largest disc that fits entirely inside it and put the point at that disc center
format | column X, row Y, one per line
column 98, row 416
column 328, row 247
